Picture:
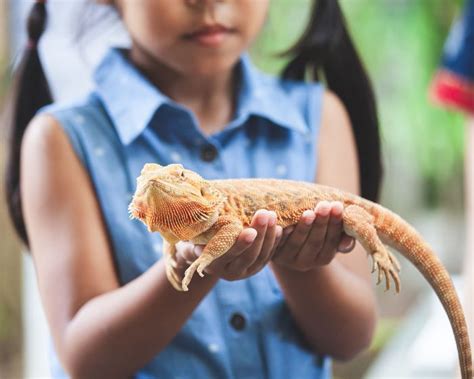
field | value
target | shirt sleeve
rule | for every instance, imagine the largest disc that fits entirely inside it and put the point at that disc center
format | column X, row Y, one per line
column 453, row 84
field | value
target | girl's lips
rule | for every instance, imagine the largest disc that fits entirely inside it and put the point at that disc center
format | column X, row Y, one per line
column 211, row 35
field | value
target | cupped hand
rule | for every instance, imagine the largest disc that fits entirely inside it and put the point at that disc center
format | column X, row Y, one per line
column 315, row 239
column 252, row 250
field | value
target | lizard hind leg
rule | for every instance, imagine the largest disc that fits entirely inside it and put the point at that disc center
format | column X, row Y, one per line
column 359, row 224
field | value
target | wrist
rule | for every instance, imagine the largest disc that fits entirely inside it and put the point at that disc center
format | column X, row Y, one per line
column 198, row 286
column 284, row 268
column 283, row 271
column 203, row 284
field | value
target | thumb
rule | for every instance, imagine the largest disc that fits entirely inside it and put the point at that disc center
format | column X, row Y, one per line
column 346, row 244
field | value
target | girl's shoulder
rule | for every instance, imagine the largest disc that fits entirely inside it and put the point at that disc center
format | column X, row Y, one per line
column 76, row 112
column 84, row 121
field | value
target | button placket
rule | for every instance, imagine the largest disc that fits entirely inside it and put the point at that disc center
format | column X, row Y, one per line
column 208, row 153
column 238, row 321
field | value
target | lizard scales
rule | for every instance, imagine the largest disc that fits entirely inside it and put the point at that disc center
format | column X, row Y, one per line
column 181, row 205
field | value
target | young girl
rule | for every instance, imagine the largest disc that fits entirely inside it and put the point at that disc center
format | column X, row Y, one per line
column 279, row 303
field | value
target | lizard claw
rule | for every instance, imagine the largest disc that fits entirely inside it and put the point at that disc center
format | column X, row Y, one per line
column 173, row 263
column 198, row 265
column 379, row 274
column 394, row 261
column 188, row 275
column 396, row 280
column 387, row 279
column 173, row 278
column 202, row 266
column 374, row 264
column 388, row 268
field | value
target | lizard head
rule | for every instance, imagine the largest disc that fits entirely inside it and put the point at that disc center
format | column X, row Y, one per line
column 170, row 197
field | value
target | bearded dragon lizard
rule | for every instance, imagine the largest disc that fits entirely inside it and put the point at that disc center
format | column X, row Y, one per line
column 182, row 206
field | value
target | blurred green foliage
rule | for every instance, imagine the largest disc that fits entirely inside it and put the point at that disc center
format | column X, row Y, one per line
column 401, row 43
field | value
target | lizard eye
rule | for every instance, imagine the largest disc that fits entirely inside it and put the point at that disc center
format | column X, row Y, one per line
column 182, row 174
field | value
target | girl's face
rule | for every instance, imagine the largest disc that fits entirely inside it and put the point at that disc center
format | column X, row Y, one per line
column 193, row 36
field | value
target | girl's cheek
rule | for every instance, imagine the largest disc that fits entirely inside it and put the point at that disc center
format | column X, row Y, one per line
column 252, row 15
column 151, row 20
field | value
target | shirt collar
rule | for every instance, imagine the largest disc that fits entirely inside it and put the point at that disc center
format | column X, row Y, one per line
column 132, row 100
column 264, row 96
column 129, row 97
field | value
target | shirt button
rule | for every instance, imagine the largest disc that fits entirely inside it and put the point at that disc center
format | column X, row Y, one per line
column 238, row 321
column 208, row 153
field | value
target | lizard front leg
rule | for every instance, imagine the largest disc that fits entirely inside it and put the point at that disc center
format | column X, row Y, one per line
column 169, row 252
column 227, row 229
column 359, row 224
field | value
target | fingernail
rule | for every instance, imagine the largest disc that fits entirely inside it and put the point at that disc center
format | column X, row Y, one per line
column 272, row 219
column 308, row 217
column 263, row 219
column 198, row 250
column 279, row 231
column 251, row 237
column 323, row 208
column 337, row 208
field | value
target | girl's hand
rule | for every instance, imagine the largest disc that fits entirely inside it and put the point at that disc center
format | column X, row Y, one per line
column 253, row 249
column 315, row 240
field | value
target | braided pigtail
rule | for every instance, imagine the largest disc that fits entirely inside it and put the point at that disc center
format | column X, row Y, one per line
column 30, row 93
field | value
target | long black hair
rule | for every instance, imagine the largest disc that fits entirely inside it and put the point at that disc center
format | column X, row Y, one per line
column 324, row 46
column 30, row 93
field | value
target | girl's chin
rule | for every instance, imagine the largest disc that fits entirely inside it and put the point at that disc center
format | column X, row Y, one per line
column 208, row 63
column 208, row 67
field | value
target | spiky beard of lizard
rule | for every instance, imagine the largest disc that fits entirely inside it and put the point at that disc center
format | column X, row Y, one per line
column 183, row 218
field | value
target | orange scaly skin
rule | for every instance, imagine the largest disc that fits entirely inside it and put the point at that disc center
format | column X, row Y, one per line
column 181, row 205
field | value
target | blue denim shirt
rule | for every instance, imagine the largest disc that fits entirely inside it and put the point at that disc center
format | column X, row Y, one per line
column 241, row 329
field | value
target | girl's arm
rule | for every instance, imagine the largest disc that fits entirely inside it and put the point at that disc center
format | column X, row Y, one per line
column 99, row 328
column 333, row 303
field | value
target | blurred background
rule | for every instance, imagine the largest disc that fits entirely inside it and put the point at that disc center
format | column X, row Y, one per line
column 401, row 43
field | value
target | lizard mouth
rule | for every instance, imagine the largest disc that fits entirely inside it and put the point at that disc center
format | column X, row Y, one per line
column 155, row 192
column 161, row 189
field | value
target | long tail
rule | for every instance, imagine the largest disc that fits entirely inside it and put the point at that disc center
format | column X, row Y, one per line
column 397, row 233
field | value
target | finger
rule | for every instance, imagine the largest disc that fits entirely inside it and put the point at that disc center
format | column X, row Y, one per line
column 347, row 244
column 334, row 227
column 244, row 240
column 238, row 265
column 184, row 253
column 278, row 238
column 285, row 235
column 331, row 214
column 316, row 236
column 267, row 246
column 298, row 237
column 191, row 252
column 283, row 240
